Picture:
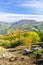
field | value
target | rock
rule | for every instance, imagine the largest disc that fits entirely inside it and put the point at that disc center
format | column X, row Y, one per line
column 38, row 56
column 3, row 55
column 39, row 62
column 26, row 51
column 7, row 55
column 37, row 48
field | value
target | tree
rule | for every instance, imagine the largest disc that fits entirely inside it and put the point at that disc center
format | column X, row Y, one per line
column 27, row 42
column 35, row 37
column 41, row 36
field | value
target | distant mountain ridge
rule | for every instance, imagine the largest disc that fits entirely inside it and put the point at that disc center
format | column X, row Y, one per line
column 30, row 25
column 4, row 26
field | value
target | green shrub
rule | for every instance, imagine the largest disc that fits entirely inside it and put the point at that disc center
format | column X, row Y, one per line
column 14, row 44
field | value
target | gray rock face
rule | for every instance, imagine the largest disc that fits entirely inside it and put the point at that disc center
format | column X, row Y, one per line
column 37, row 48
column 26, row 51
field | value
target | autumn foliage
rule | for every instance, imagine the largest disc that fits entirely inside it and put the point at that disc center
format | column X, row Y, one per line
column 19, row 37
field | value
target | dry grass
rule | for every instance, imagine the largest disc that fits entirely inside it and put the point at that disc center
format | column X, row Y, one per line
column 21, row 59
column 2, row 50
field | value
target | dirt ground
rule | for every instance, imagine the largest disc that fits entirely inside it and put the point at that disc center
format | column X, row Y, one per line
column 20, row 60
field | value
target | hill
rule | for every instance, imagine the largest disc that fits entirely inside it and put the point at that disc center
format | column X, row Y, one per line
column 30, row 25
column 4, row 26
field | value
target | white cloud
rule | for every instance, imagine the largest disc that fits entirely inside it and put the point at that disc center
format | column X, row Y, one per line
column 38, row 5
column 34, row 4
column 8, row 17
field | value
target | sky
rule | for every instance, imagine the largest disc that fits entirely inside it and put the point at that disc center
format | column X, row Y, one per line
column 13, row 10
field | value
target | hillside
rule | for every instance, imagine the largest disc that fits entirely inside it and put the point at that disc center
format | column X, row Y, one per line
column 4, row 26
column 30, row 25
column 13, row 46
column 19, row 37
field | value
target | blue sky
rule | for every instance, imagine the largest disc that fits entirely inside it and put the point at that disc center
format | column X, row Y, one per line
column 21, row 7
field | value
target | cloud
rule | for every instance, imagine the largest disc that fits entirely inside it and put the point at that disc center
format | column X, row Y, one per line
column 36, row 4
column 25, row 3
column 8, row 17
column 12, row 5
column 32, row 4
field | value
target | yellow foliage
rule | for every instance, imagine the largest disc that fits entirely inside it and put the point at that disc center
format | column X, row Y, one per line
column 27, row 40
column 19, row 37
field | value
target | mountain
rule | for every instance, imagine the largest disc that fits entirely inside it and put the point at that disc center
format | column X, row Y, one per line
column 4, row 26
column 30, row 25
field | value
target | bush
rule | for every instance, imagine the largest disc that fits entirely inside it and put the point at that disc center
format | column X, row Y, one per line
column 14, row 44
column 19, row 38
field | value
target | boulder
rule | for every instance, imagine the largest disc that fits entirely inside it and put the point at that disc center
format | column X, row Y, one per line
column 26, row 51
